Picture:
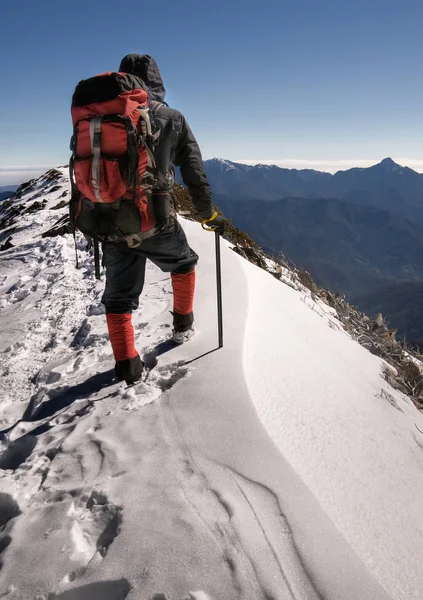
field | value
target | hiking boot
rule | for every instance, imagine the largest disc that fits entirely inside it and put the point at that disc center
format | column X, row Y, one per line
column 183, row 329
column 180, row 337
column 129, row 369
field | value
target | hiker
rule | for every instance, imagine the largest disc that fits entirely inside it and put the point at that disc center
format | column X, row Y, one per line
column 164, row 243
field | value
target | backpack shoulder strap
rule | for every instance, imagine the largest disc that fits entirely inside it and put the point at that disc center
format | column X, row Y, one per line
column 156, row 106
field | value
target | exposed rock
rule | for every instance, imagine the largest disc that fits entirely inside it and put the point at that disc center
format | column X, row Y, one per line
column 52, row 174
column 379, row 320
column 61, row 204
column 7, row 244
column 306, row 279
column 61, row 227
column 24, row 188
column 35, row 207
column 251, row 254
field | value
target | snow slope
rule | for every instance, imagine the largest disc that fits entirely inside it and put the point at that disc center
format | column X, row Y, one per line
column 282, row 466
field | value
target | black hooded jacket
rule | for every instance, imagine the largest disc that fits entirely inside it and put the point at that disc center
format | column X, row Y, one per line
column 177, row 144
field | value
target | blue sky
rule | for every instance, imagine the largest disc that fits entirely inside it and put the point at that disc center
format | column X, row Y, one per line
column 322, row 82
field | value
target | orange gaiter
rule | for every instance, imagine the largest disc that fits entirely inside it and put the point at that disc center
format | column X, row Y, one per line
column 183, row 292
column 121, row 335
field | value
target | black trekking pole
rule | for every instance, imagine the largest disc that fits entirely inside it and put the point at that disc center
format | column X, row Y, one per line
column 219, row 289
column 96, row 258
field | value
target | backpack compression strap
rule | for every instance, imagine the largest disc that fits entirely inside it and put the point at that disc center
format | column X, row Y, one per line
column 95, row 138
column 149, row 138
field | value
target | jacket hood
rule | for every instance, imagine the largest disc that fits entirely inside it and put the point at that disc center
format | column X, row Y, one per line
column 145, row 67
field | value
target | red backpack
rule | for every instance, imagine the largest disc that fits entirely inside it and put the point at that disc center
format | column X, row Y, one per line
column 112, row 166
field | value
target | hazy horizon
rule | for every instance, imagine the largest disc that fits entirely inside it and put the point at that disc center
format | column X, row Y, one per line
column 17, row 175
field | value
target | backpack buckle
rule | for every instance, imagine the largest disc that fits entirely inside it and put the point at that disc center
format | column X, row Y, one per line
column 97, row 139
column 133, row 240
column 144, row 129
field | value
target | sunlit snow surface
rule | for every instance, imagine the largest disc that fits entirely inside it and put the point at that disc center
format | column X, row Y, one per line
column 282, row 466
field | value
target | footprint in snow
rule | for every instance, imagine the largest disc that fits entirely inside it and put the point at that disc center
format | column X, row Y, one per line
column 95, row 310
column 54, row 402
column 16, row 453
column 199, row 595
column 150, row 330
column 81, row 334
column 19, row 295
column 106, row 590
column 154, row 384
column 8, row 511
column 84, row 337
column 95, row 524
column 65, row 366
column 16, row 349
column 167, row 376
column 52, row 342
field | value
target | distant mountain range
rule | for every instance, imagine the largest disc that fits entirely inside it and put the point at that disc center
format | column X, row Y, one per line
column 387, row 185
column 7, row 190
column 359, row 232
column 346, row 247
column 262, row 182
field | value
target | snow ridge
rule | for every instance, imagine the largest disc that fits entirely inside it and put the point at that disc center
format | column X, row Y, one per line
column 223, row 473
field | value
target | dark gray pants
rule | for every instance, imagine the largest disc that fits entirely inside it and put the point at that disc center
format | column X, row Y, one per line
column 125, row 267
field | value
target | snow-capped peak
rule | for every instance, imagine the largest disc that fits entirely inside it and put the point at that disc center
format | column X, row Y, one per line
column 389, row 165
column 226, row 164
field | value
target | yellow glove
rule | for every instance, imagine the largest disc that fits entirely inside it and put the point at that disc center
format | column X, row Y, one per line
column 215, row 223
